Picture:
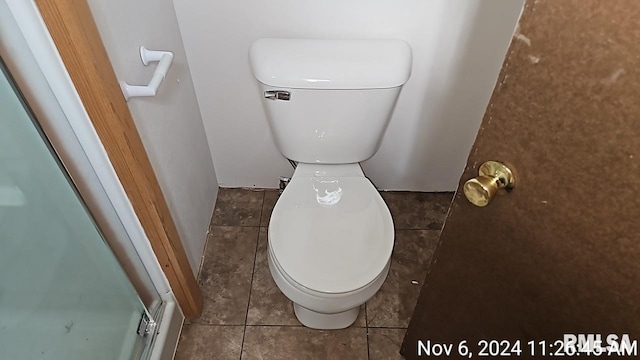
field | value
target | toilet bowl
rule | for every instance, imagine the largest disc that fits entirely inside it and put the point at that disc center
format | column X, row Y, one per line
column 330, row 242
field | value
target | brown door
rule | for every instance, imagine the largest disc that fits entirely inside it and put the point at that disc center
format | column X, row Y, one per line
column 560, row 254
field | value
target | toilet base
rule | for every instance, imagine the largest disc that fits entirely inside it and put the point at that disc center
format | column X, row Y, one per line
column 316, row 320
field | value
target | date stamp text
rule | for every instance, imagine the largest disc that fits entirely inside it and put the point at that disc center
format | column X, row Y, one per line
column 610, row 345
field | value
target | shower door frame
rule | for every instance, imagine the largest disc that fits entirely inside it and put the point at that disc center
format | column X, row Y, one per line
column 85, row 159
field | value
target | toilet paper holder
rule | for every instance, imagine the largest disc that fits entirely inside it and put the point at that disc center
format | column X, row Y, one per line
column 164, row 59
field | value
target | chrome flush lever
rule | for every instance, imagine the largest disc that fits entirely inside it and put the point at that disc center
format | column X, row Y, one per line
column 277, row 95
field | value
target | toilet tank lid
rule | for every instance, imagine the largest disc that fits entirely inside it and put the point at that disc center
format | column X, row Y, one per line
column 331, row 64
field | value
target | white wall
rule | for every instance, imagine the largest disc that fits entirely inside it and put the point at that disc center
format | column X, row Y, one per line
column 169, row 124
column 458, row 45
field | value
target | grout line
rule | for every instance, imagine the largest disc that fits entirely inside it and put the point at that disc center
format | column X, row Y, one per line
column 387, row 327
column 289, row 325
column 366, row 316
column 297, row 326
column 274, row 325
column 253, row 272
column 216, row 325
column 421, row 229
column 366, row 326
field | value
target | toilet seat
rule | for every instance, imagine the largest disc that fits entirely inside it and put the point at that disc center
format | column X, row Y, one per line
column 330, row 231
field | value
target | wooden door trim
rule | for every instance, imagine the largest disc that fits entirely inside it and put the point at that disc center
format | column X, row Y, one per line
column 76, row 36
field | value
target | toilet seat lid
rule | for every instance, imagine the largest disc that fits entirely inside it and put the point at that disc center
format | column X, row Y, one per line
column 331, row 234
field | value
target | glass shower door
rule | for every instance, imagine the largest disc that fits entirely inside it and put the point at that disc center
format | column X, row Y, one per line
column 63, row 294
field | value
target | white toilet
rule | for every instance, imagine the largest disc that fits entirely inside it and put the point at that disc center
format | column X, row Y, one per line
column 328, row 103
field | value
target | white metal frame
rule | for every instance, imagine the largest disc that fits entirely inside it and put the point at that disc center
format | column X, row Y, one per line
column 81, row 150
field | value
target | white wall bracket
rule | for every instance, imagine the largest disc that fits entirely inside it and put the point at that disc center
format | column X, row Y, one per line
column 165, row 58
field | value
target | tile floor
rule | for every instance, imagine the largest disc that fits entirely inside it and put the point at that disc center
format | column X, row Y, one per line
column 246, row 317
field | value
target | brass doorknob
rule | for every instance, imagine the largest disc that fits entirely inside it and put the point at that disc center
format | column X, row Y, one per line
column 493, row 177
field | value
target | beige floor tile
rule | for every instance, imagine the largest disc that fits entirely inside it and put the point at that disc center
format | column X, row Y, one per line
column 238, row 207
column 300, row 343
column 393, row 305
column 225, row 278
column 416, row 210
column 230, row 249
column 261, row 252
column 268, row 306
column 384, row 344
column 270, row 198
column 204, row 342
column 225, row 300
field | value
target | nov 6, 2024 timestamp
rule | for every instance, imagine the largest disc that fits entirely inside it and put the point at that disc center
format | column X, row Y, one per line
column 611, row 345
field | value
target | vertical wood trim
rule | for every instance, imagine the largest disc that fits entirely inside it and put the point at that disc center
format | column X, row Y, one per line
column 76, row 36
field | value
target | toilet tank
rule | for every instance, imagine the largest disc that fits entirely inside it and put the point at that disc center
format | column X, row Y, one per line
column 329, row 101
